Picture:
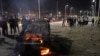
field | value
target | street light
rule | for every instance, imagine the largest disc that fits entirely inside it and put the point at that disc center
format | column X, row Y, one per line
column 71, row 10
column 94, row 1
column 99, row 9
column 57, row 9
column 84, row 13
column 93, row 10
column 90, row 13
column 20, row 10
column 59, row 14
column 29, row 13
column 81, row 12
column 87, row 13
column 66, row 6
column 39, row 9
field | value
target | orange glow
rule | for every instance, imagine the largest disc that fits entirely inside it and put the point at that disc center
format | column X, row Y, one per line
column 45, row 51
column 33, row 37
column 41, row 41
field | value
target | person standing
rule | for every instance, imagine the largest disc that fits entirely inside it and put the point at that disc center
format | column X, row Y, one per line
column 25, row 21
column 63, row 21
column 12, row 25
column 92, row 21
column 16, row 23
column 4, row 25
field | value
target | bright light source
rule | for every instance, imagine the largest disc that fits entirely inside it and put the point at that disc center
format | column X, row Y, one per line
column 66, row 5
column 93, row 0
column 59, row 12
column 71, row 8
column 80, row 11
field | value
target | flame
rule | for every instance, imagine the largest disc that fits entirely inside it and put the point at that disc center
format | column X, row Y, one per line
column 45, row 50
column 33, row 37
column 41, row 41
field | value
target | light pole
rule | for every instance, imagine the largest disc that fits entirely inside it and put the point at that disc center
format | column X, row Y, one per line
column 94, row 1
column 90, row 13
column 80, row 12
column 20, row 10
column 57, row 9
column 93, row 10
column 87, row 13
column 39, row 9
column 29, row 13
column 99, row 9
column 66, row 6
column 71, row 10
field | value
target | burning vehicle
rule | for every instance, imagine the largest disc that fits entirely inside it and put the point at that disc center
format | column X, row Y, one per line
column 31, row 40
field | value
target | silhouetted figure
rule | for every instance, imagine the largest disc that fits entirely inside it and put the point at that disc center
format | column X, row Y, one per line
column 1, row 25
column 63, row 22
column 16, row 23
column 74, row 21
column 4, row 25
column 93, row 22
column 85, row 20
column 12, row 23
column 80, row 21
column 25, row 21
column 71, row 22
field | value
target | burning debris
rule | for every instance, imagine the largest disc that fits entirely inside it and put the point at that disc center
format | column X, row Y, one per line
column 45, row 51
column 35, row 41
column 33, row 37
column 31, row 40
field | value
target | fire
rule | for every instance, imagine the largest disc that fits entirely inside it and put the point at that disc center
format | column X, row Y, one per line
column 41, row 41
column 45, row 51
column 33, row 37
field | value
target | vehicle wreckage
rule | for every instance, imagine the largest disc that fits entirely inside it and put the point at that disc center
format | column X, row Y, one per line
column 31, row 40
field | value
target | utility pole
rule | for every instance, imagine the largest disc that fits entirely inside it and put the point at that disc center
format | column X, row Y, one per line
column 71, row 9
column 66, row 6
column 93, row 10
column 57, row 9
column 81, row 12
column 20, row 10
column 39, row 12
column 99, row 9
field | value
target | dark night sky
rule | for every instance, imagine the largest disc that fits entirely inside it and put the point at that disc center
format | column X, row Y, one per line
column 46, row 5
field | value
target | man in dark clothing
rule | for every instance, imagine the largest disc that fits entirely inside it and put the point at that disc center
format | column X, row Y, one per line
column 63, row 21
column 85, row 20
column 71, row 22
column 25, row 21
column 93, row 22
column 16, row 23
column 12, row 23
column 4, row 25
column 74, row 21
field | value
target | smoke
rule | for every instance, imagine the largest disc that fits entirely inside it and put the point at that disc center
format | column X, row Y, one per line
column 24, row 6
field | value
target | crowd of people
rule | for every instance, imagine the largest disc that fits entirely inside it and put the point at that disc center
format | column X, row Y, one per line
column 13, row 24
column 72, row 21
